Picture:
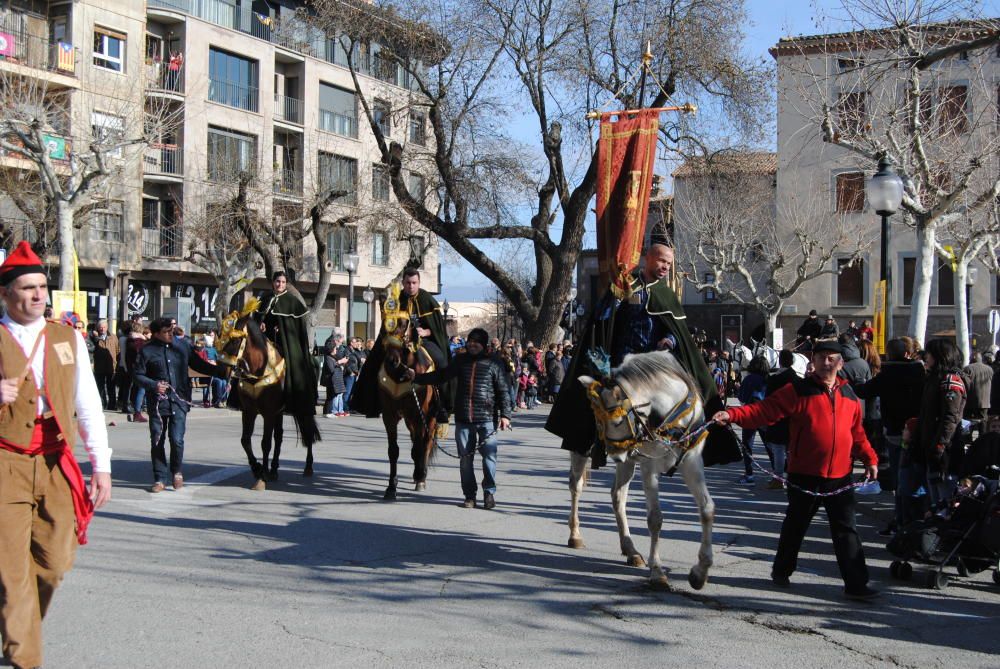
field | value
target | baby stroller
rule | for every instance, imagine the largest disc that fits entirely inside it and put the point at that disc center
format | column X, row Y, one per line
column 965, row 533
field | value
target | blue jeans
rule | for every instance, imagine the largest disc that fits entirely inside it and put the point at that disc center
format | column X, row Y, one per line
column 218, row 391
column 139, row 401
column 349, row 384
column 175, row 419
column 467, row 437
column 334, row 403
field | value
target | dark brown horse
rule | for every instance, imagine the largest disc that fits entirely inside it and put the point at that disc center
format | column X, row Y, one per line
column 415, row 405
column 258, row 370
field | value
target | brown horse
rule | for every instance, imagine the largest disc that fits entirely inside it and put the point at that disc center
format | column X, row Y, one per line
column 415, row 405
column 259, row 370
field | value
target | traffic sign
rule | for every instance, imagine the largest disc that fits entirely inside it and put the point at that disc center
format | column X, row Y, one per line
column 994, row 321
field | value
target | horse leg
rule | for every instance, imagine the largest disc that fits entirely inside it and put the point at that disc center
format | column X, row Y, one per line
column 279, row 432
column 577, row 478
column 266, row 443
column 619, row 500
column 423, row 439
column 389, row 419
column 654, row 521
column 249, row 419
column 693, row 471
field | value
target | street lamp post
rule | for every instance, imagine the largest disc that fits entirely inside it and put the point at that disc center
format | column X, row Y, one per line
column 111, row 271
column 446, row 306
column 970, row 281
column 368, row 296
column 885, row 193
column 351, row 265
column 572, row 312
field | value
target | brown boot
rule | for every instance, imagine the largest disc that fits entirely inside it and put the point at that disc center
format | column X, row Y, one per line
column 137, row 417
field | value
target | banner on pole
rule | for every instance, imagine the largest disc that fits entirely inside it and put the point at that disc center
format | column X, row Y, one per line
column 878, row 322
column 625, row 153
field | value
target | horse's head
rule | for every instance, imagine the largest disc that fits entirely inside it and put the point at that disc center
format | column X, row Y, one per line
column 237, row 331
column 613, row 416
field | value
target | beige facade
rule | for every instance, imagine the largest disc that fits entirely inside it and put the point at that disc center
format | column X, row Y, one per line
column 252, row 91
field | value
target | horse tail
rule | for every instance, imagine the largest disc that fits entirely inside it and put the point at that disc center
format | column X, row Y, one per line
column 305, row 421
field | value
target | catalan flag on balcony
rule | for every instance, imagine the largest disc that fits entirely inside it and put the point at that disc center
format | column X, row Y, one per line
column 6, row 45
column 263, row 18
column 67, row 57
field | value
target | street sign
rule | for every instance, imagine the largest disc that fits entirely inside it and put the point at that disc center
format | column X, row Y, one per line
column 994, row 321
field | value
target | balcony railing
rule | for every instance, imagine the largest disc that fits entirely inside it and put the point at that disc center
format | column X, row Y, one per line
column 288, row 109
column 163, row 242
column 37, row 52
column 160, row 77
column 287, row 182
column 233, row 94
column 166, row 159
column 340, row 124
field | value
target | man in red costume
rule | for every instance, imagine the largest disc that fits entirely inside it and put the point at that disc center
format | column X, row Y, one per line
column 47, row 395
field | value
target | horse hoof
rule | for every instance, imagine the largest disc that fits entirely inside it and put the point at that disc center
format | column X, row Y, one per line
column 636, row 561
column 273, row 476
column 259, row 485
column 390, row 495
column 421, row 485
column 659, row 582
column 695, row 581
column 575, row 543
column 307, row 472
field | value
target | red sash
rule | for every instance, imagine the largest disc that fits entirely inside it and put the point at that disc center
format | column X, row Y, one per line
column 45, row 441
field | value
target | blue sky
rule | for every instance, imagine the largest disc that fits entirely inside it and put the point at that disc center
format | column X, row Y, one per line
column 769, row 21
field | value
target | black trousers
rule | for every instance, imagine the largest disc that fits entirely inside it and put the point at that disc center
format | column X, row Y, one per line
column 843, row 528
column 106, row 387
column 440, row 359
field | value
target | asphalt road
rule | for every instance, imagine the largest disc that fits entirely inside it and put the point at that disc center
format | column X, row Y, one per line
column 322, row 573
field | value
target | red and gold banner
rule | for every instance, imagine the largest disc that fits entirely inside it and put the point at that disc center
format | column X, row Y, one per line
column 625, row 153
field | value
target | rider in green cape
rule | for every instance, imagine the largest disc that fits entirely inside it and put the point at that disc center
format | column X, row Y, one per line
column 650, row 318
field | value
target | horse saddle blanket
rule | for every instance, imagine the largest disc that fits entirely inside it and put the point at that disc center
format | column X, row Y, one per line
column 396, row 389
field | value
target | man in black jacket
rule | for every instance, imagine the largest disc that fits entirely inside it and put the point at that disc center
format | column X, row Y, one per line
column 162, row 369
column 481, row 388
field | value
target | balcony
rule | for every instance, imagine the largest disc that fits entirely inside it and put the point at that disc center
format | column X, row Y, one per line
column 288, row 183
column 234, row 95
column 22, row 49
column 340, row 124
column 288, row 109
column 162, row 242
column 160, row 78
column 163, row 160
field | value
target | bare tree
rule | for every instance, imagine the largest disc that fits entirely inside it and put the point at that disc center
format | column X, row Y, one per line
column 73, row 167
column 730, row 228
column 472, row 67
column 912, row 82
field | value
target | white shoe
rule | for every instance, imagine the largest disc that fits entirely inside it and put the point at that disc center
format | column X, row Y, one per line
column 329, row 415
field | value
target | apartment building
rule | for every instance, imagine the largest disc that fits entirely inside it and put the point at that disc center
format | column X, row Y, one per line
column 253, row 92
column 961, row 97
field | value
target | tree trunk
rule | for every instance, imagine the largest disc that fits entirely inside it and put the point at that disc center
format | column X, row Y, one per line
column 922, row 279
column 64, row 221
column 962, row 338
column 543, row 329
column 770, row 325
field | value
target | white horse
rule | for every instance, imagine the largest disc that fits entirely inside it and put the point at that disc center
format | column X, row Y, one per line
column 648, row 414
column 742, row 355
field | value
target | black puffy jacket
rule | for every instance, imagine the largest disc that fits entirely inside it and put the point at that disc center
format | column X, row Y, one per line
column 482, row 386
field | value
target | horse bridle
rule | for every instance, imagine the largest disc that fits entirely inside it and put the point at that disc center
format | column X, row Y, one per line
column 669, row 433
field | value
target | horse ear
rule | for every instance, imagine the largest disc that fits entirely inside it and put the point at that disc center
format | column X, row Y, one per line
column 585, row 380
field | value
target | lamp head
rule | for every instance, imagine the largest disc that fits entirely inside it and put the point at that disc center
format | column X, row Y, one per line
column 885, row 188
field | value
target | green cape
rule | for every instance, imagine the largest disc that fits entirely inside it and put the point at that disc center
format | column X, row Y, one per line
column 285, row 320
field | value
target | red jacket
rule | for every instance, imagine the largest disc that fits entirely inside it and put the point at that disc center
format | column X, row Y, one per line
column 824, row 427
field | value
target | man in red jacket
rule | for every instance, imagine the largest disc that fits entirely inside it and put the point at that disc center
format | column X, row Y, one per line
column 825, row 436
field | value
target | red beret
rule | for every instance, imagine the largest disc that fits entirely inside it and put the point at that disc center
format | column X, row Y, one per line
column 22, row 261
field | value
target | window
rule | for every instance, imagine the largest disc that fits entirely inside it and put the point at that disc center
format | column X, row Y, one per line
column 339, row 242
column 909, row 273
column 380, row 249
column 109, row 50
column 847, row 64
column 850, row 192
column 850, row 283
column 230, row 154
column 945, row 285
column 384, row 67
column 108, row 132
column 382, row 113
column 338, row 111
column 851, row 117
column 953, row 112
column 380, row 183
column 339, row 173
column 232, row 80
column 418, row 132
column 108, row 223
column 709, row 292
column 160, row 237
column 416, row 187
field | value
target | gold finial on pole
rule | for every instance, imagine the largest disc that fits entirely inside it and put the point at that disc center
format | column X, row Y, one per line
column 647, row 57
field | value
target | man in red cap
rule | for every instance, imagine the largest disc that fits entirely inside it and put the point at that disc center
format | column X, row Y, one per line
column 47, row 395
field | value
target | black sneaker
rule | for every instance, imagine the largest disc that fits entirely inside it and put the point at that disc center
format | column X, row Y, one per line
column 780, row 580
column 468, row 504
column 862, row 594
column 488, row 501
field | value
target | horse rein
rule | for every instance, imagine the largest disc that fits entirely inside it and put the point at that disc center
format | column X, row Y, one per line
column 669, row 434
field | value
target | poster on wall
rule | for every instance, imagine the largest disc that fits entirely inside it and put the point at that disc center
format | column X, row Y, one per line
column 203, row 297
column 143, row 299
